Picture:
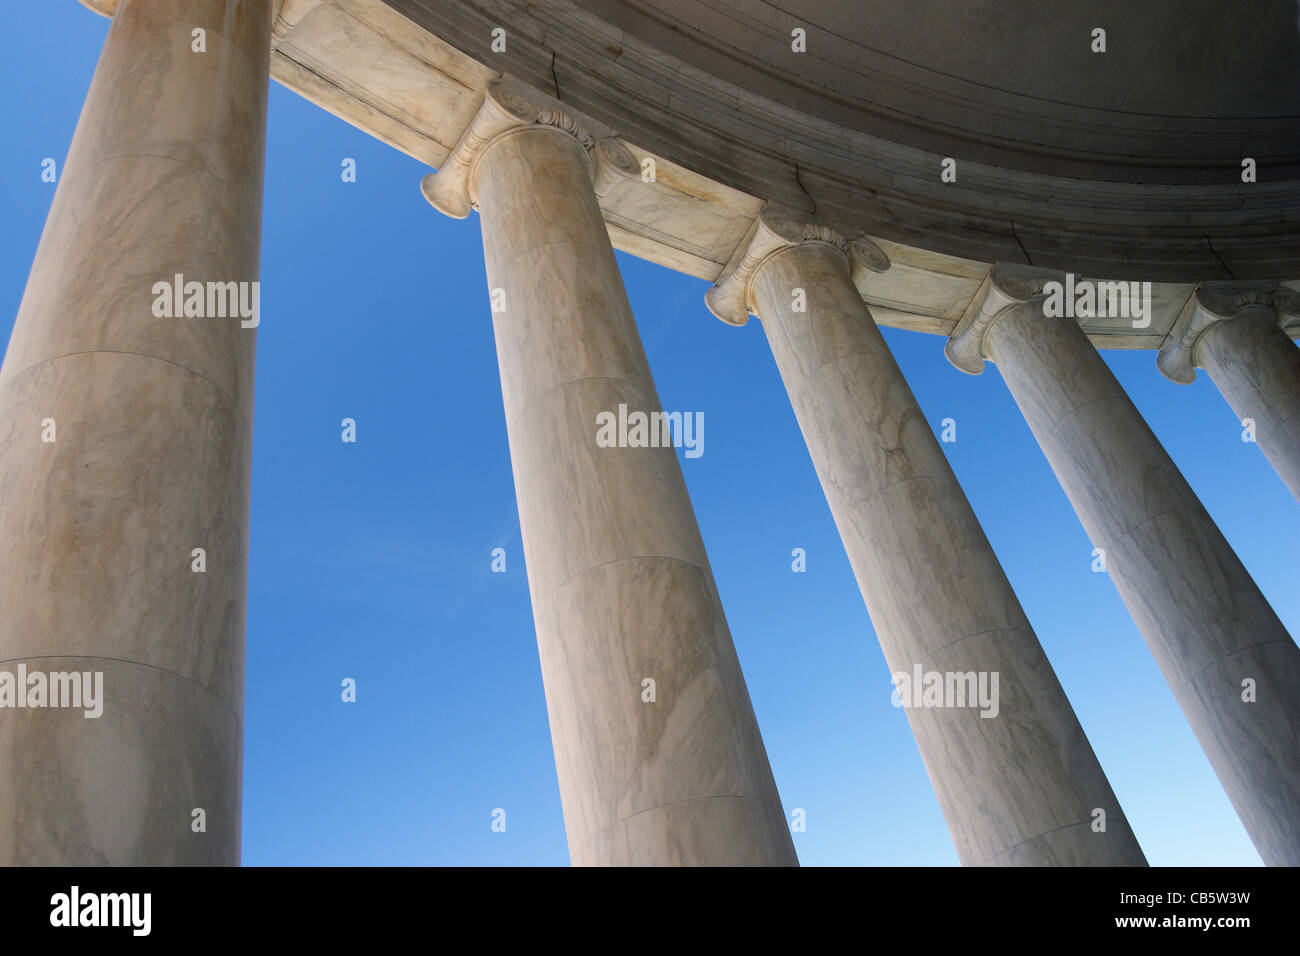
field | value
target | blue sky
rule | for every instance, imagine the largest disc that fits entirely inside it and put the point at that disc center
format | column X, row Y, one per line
column 372, row 560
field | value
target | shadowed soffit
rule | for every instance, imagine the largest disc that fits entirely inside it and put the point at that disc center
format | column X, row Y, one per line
column 1121, row 165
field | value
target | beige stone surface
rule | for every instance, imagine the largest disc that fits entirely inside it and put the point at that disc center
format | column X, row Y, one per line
column 121, row 789
column 153, row 427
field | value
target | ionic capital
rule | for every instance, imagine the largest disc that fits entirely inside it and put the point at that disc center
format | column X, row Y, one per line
column 507, row 108
column 103, row 7
column 1218, row 302
column 731, row 298
column 286, row 14
column 1005, row 287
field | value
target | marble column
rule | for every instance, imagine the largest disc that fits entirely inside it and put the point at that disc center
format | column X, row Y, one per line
column 1234, row 332
column 125, row 440
column 1018, row 783
column 1232, row 666
column 657, row 749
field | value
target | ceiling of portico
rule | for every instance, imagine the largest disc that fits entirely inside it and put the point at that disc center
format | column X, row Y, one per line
column 1060, row 150
column 1122, row 165
column 1184, row 89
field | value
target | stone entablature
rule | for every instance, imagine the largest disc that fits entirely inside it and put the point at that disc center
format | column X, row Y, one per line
column 374, row 68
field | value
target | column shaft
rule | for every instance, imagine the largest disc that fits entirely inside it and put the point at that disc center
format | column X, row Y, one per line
column 1017, row 788
column 1213, row 634
column 1257, row 368
column 150, row 421
column 621, row 586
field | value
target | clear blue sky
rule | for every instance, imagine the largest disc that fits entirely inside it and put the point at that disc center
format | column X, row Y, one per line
column 372, row 560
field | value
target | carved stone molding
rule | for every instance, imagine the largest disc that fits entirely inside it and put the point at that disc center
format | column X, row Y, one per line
column 613, row 162
column 506, row 108
column 288, row 14
column 549, row 116
column 1005, row 287
column 1218, row 302
column 103, row 7
column 866, row 259
column 774, row 231
column 1287, row 303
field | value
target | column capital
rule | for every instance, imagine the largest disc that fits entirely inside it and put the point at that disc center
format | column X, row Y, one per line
column 508, row 107
column 1216, row 302
column 287, row 14
column 1004, row 287
column 774, row 231
column 103, row 7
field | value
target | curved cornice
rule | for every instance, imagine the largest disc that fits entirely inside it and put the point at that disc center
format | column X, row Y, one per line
column 409, row 81
column 1077, row 208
